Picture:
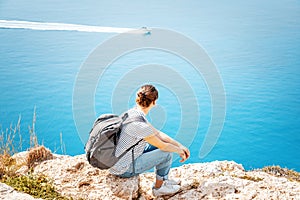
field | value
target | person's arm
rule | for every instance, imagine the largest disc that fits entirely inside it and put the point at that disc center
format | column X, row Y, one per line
column 165, row 143
column 164, row 137
column 168, row 139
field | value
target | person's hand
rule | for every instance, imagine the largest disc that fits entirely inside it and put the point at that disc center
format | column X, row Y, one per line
column 187, row 152
column 182, row 156
column 184, row 153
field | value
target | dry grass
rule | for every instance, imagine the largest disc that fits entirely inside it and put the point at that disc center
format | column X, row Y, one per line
column 8, row 147
column 7, row 165
column 195, row 184
column 250, row 178
column 36, row 155
column 32, row 134
column 36, row 185
column 11, row 139
column 282, row 172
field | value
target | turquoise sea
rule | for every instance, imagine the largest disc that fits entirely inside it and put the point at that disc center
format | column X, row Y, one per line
column 255, row 46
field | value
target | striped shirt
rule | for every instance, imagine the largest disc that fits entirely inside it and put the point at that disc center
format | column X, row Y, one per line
column 130, row 135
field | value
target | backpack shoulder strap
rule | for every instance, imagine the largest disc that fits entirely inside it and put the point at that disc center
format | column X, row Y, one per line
column 127, row 120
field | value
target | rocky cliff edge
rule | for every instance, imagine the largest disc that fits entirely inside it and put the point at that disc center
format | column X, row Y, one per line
column 73, row 177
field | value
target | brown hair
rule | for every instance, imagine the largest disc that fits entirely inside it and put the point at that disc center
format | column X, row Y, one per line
column 146, row 95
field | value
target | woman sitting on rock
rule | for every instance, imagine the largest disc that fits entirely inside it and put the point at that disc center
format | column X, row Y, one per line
column 154, row 150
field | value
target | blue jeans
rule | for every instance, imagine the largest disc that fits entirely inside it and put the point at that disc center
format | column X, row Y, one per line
column 152, row 157
column 149, row 147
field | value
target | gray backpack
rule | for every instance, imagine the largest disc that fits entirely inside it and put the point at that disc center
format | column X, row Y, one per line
column 104, row 137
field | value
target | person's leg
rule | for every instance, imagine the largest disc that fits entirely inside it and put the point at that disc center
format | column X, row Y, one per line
column 162, row 170
column 161, row 160
column 158, row 183
column 147, row 149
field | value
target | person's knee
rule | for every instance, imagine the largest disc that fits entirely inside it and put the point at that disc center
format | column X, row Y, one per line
column 168, row 155
column 125, row 175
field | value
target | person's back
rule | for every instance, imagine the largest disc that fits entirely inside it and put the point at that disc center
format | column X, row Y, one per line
column 131, row 134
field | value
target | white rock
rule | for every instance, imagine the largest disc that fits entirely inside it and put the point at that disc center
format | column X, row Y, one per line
column 74, row 177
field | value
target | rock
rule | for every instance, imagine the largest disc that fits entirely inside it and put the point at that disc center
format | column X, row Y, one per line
column 74, row 177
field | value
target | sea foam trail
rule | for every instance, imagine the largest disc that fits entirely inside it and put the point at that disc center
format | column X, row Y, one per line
column 14, row 24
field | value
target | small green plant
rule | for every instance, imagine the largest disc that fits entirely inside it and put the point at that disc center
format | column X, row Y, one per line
column 37, row 186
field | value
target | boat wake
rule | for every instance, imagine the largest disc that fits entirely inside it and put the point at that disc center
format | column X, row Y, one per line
column 15, row 24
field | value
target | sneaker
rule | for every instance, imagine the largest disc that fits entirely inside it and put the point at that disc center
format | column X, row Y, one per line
column 165, row 189
column 172, row 182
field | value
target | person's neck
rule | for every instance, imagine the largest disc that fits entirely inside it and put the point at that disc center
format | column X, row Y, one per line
column 144, row 110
